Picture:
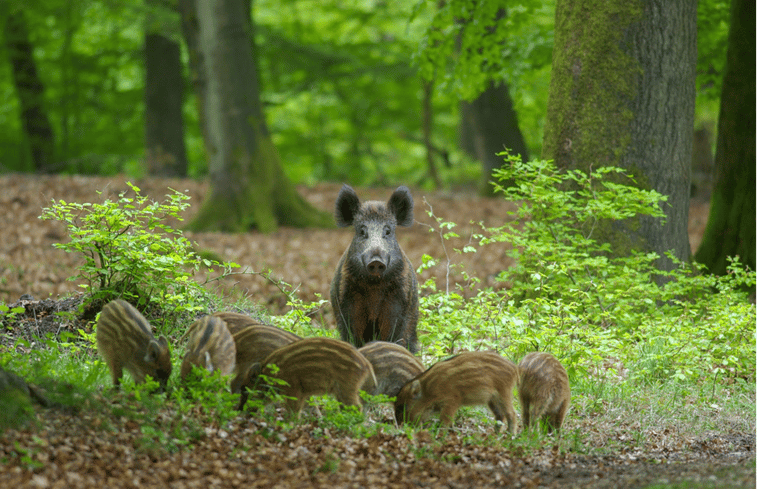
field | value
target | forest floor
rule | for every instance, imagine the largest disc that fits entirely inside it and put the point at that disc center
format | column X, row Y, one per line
column 92, row 449
column 304, row 258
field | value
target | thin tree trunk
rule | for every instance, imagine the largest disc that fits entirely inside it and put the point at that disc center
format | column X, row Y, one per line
column 190, row 29
column 164, row 123
column 622, row 94
column 428, row 126
column 731, row 226
column 31, row 92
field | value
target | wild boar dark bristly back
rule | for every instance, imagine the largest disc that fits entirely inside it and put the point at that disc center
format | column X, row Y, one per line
column 375, row 292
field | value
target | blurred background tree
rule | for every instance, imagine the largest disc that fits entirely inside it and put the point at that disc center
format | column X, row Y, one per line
column 165, row 150
column 731, row 225
column 30, row 90
column 248, row 188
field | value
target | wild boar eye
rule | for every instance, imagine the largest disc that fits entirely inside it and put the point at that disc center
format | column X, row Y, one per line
column 387, row 231
column 362, row 232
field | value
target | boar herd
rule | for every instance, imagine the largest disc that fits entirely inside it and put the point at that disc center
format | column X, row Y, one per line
column 374, row 295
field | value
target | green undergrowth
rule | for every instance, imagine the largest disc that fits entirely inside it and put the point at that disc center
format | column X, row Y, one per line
column 652, row 357
column 130, row 251
column 601, row 314
column 608, row 413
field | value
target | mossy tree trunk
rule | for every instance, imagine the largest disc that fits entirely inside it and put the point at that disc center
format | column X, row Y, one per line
column 248, row 188
column 622, row 94
column 731, row 226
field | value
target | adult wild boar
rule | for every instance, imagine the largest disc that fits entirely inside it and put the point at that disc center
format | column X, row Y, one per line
column 374, row 292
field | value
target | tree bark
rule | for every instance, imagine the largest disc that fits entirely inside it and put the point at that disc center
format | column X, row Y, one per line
column 428, row 128
column 31, row 92
column 248, row 188
column 731, row 225
column 488, row 126
column 190, row 29
column 622, row 94
column 164, row 123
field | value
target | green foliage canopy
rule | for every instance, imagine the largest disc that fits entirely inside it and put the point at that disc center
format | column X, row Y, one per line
column 342, row 80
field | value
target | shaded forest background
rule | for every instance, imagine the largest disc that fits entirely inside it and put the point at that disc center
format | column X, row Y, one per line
column 342, row 85
column 371, row 93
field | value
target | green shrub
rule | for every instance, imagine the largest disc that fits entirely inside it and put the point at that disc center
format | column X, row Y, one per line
column 131, row 253
column 209, row 393
column 604, row 315
column 553, row 235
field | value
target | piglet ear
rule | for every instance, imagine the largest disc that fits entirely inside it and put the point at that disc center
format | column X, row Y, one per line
column 153, row 352
column 401, row 205
column 415, row 390
column 346, row 207
column 209, row 362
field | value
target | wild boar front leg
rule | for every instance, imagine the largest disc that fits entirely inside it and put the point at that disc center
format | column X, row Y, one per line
column 447, row 415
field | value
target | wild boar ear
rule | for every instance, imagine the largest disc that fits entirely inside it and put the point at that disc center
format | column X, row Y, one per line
column 415, row 389
column 346, row 207
column 208, row 362
column 401, row 206
column 163, row 341
column 255, row 369
column 153, row 351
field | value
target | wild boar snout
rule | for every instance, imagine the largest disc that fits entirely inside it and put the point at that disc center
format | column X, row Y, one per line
column 376, row 261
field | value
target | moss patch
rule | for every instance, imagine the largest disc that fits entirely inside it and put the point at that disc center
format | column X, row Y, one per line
column 593, row 81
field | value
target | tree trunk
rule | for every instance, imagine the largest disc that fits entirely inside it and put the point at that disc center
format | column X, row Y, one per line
column 622, row 94
column 190, row 29
column 30, row 91
column 702, row 164
column 164, row 123
column 489, row 125
column 731, row 226
column 248, row 188
column 428, row 129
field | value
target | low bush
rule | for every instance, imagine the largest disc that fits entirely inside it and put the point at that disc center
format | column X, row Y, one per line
column 603, row 314
column 130, row 252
